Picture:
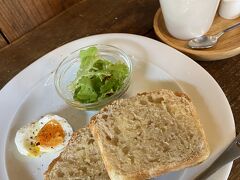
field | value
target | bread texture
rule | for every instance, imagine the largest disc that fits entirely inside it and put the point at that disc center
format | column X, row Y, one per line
column 149, row 135
column 80, row 160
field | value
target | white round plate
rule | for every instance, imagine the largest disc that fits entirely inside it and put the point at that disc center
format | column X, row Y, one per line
column 31, row 94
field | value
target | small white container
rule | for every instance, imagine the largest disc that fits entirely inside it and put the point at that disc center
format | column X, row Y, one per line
column 229, row 9
column 187, row 19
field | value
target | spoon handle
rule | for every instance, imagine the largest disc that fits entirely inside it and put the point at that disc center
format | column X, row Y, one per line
column 230, row 154
column 232, row 27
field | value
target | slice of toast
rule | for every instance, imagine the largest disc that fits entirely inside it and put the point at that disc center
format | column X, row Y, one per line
column 149, row 135
column 80, row 160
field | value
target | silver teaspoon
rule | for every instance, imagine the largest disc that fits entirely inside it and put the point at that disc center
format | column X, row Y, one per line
column 205, row 41
column 230, row 154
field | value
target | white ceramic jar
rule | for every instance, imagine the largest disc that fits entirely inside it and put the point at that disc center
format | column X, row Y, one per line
column 230, row 9
column 186, row 19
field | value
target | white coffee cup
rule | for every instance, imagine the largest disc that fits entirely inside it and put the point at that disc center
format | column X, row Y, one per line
column 186, row 19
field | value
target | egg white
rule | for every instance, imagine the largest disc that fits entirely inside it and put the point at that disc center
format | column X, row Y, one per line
column 23, row 135
column 29, row 132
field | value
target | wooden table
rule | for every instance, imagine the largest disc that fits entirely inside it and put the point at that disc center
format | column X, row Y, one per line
column 90, row 17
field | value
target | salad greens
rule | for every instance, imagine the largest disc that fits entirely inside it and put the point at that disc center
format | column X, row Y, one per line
column 97, row 78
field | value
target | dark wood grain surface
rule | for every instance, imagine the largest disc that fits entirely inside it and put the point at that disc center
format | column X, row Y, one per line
column 20, row 16
column 90, row 17
column 3, row 42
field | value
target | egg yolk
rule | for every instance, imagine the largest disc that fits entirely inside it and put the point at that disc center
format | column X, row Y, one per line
column 51, row 134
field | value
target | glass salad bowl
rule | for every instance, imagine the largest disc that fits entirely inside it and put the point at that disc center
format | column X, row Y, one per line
column 93, row 76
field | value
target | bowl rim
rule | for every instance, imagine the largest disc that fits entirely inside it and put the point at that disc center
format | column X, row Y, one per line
column 88, row 106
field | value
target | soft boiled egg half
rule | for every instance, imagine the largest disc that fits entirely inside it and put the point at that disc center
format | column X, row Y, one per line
column 49, row 134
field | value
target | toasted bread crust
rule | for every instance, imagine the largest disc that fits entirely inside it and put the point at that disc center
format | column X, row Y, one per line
column 83, row 153
column 144, row 174
column 50, row 167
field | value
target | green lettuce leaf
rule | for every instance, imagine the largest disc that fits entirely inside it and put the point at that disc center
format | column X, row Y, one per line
column 97, row 78
column 85, row 92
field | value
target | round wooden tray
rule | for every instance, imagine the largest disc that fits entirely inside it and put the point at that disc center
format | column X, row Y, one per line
column 227, row 46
